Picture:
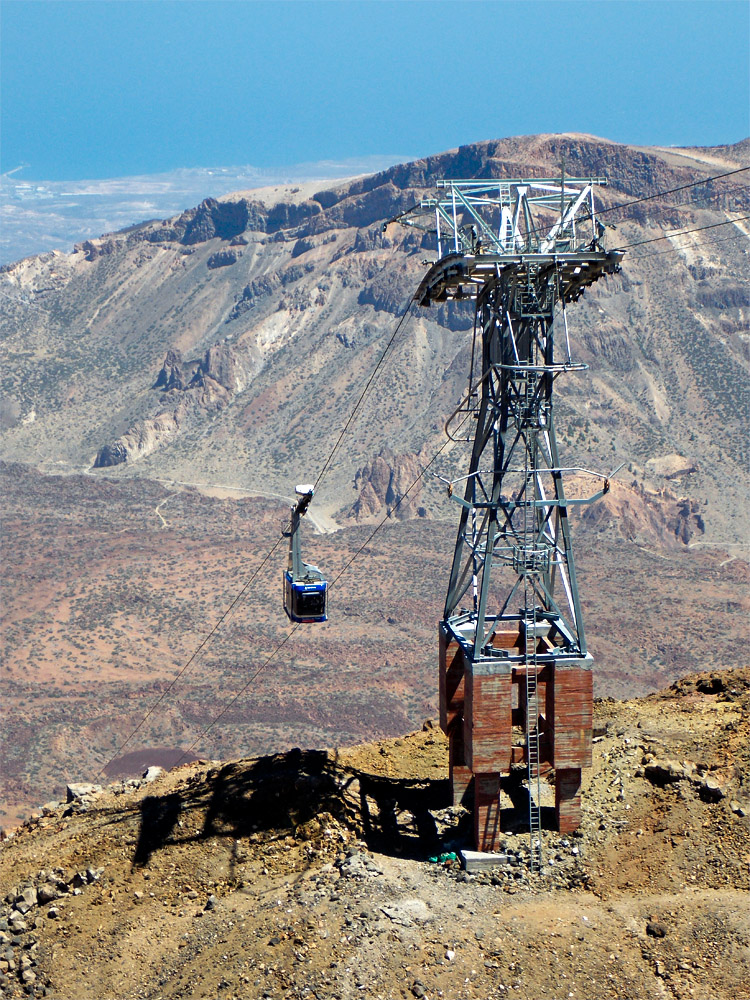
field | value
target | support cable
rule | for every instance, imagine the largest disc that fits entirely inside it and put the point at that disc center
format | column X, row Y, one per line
column 376, row 369
column 691, row 246
column 662, row 194
column 238, row 695
column 683, row 232
column 193, row 656
column 396, row 506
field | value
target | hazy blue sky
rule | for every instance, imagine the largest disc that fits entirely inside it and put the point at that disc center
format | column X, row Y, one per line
column 115, row 87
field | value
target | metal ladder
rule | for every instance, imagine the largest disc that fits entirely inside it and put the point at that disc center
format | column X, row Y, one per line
column 530, row 638
column 532, row 741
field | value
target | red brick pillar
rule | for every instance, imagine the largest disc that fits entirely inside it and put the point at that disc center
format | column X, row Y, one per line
column 460, row 774
column 571, row 712
column 452, row 713
column 568, row 798
column 487, row 812
column 451, row 682
column 487, row 744
column 488, row 727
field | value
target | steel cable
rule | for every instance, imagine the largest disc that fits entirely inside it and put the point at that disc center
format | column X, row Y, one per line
column 364, row 392
column 238, row 597
column 689, row 246
column 662, row 194
column 684, row 232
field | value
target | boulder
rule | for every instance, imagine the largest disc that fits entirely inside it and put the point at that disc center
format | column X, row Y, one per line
column 80, row 790
column 662, row 772
column 47, row 893
column 28, row 896
column 711, row 790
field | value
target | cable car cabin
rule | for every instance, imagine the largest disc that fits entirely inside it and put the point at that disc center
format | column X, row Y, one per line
column 305, row 599
column 305, row 589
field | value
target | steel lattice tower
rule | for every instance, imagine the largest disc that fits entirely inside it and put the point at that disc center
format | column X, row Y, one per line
column 515, row 672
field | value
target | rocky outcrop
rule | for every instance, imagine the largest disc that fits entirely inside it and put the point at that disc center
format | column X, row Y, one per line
column 225, row 365
column 388, row 291
column 175, row 373
column 646, row 518
column 388, row 483
column 265, row 285
column 229, row 219
column 212, row 218
column 113, row 454
column 193, row 388
column 101, row 248
column 223, row 258
column 141, row 440
column 685, row 521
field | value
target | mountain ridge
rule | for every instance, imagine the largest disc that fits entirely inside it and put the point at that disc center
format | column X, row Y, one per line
column 297, row 291
column 42, row 215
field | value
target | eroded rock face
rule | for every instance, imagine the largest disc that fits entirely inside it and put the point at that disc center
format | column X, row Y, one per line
column 175, row 373
column 111, row 454
column 194, row 387
column 213, row 218
column 383, row 484
column 686, row 521
column 226, row 366
column 647, row 518
column 222, row 258
column 141, row 440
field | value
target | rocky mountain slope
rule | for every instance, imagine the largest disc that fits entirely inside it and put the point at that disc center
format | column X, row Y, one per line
column 280, row 311
column 332, row 873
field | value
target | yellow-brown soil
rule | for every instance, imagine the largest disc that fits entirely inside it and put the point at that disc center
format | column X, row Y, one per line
column 307, row 875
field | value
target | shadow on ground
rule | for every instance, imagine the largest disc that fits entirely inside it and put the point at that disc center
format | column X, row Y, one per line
column 294, row 793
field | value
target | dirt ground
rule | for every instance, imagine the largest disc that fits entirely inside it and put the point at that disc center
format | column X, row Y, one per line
column 329, row 874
